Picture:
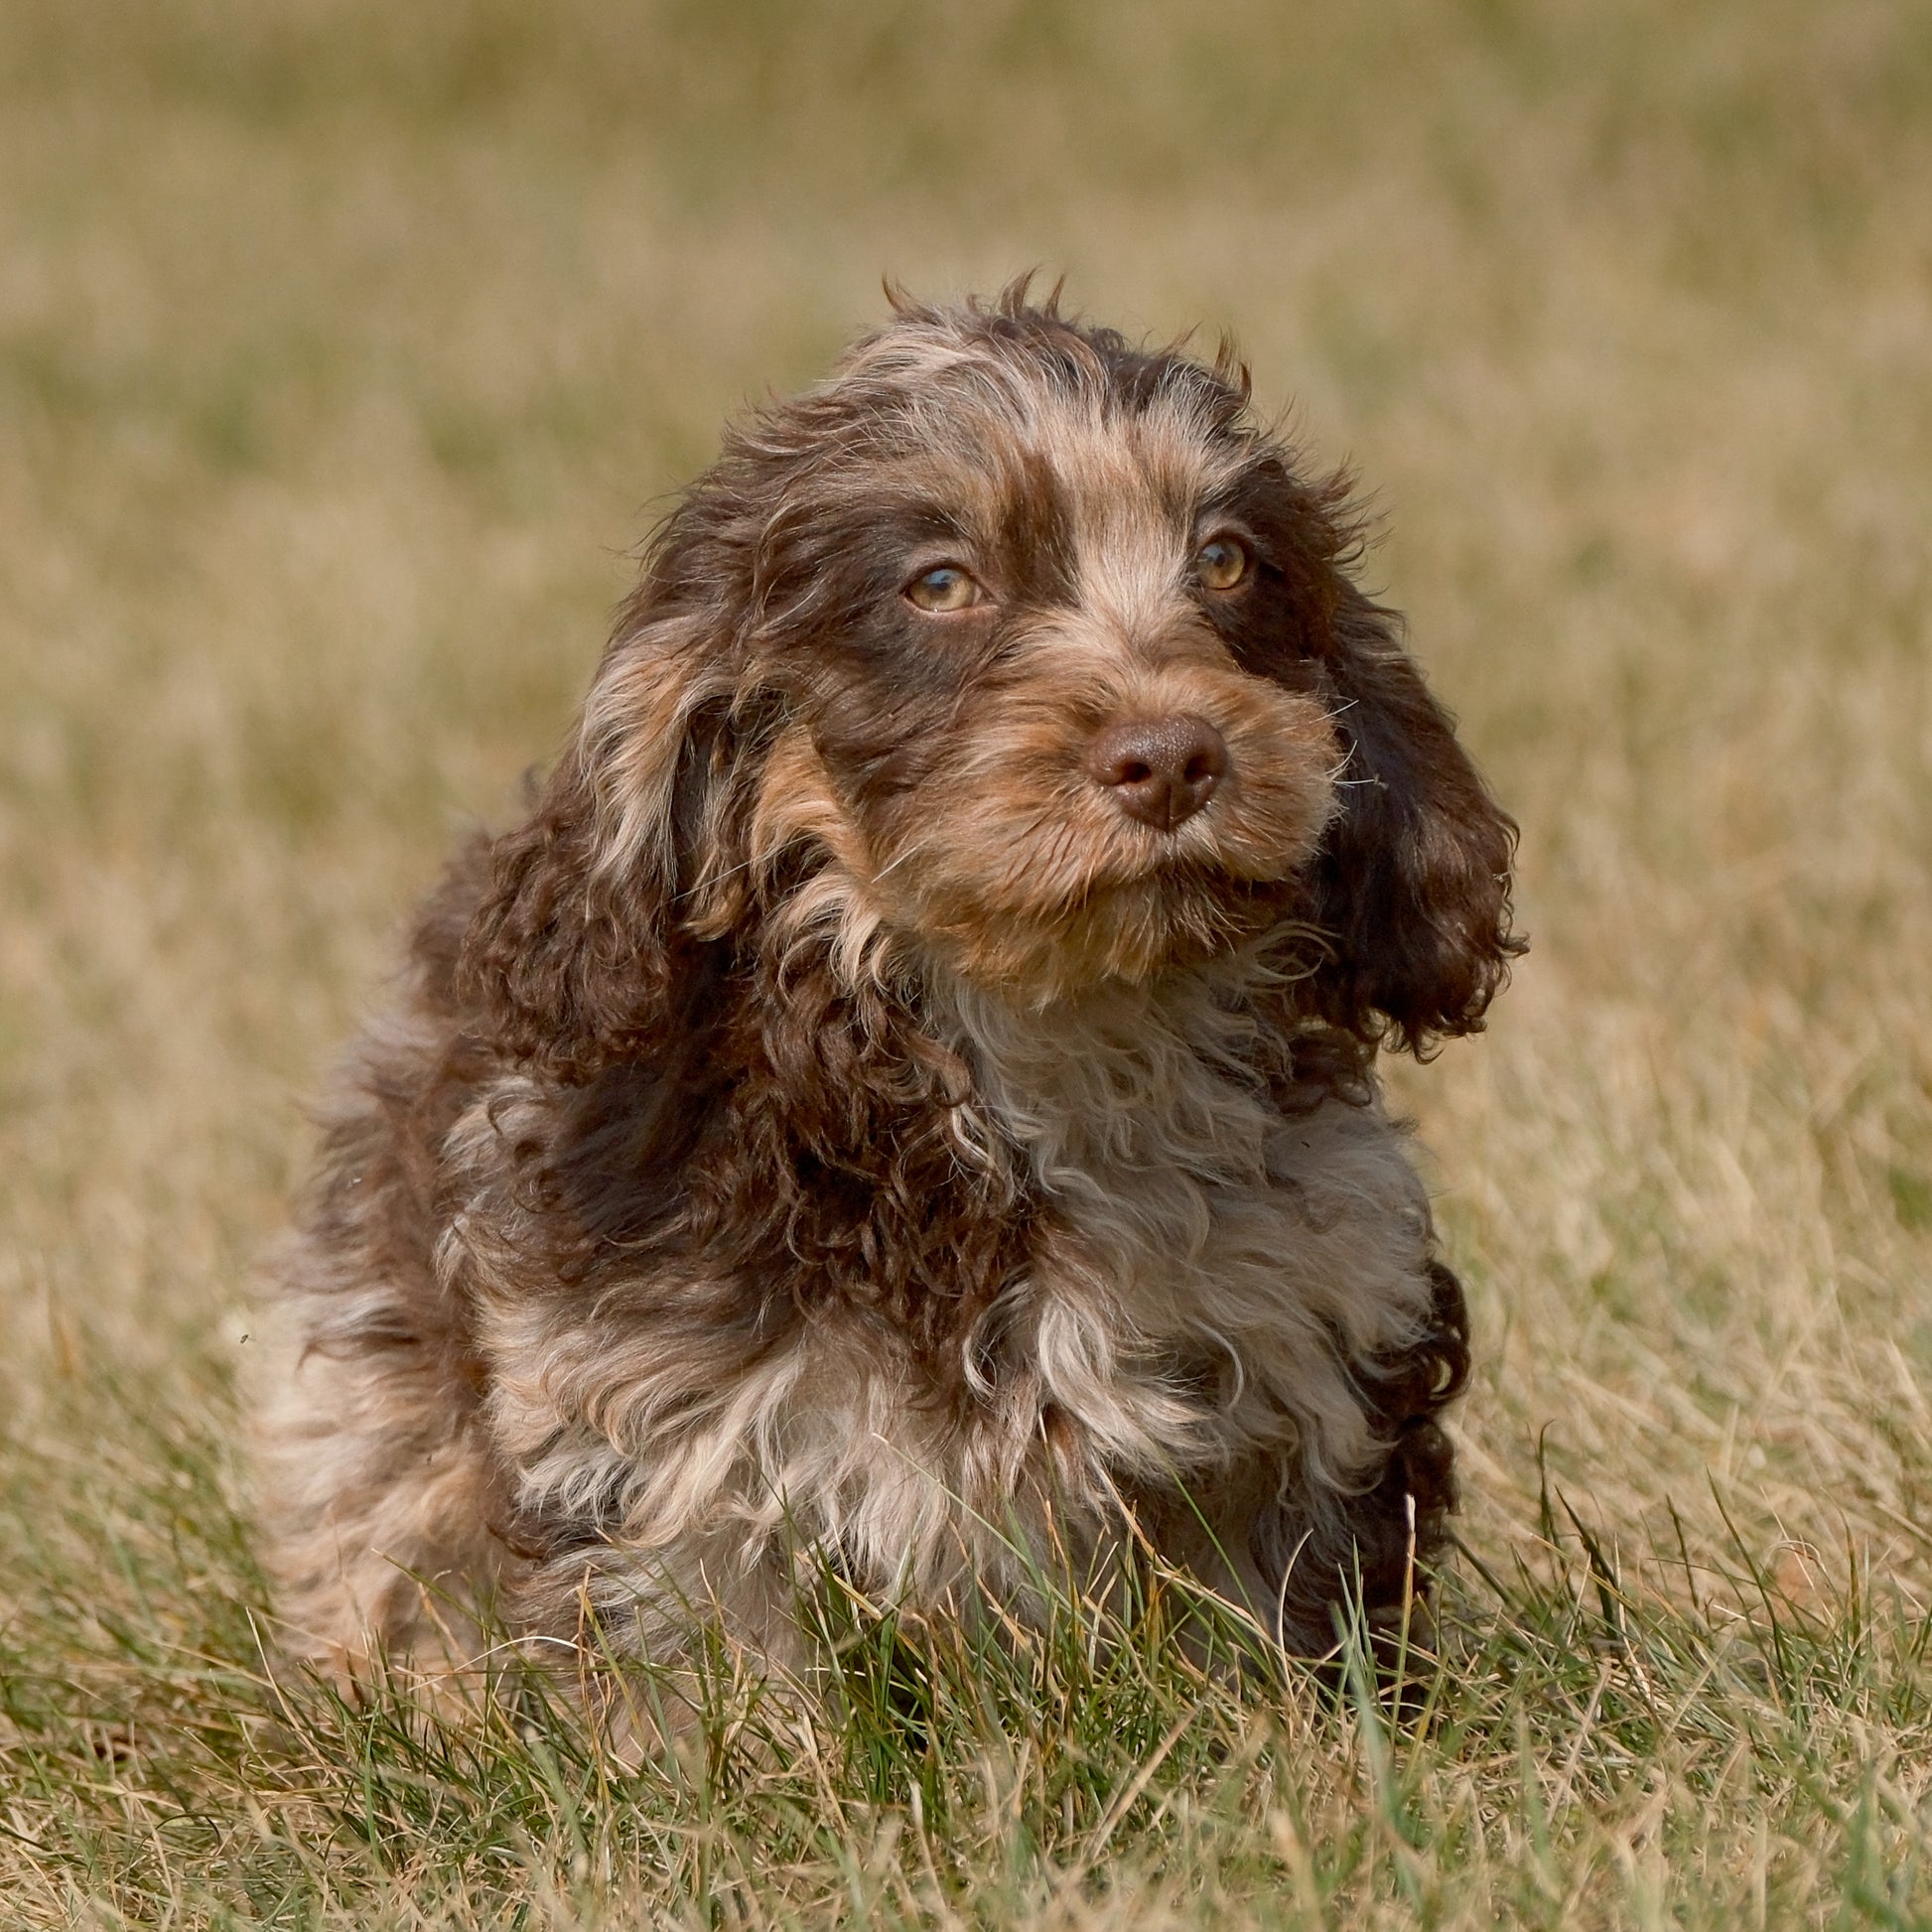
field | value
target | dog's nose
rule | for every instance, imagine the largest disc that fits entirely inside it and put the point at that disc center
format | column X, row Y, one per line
column 1161, row 771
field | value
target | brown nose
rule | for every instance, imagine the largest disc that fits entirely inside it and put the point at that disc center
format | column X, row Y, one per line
column 1161, row 771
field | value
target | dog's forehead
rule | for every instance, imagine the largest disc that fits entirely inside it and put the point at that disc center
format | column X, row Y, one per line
column 1117, row 489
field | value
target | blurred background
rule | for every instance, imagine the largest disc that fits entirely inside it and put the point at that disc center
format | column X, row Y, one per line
column 347, row 349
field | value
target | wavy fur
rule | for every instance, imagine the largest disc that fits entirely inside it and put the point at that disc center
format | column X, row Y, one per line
column 831, row 1122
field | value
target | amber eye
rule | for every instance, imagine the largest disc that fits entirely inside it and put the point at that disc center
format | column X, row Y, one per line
column 943, row 587
column 1221, row 562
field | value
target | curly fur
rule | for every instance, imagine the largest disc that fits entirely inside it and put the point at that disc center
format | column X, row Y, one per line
column 830, row 1123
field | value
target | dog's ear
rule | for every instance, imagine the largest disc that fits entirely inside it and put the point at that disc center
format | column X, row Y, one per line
column 1413, row 879
column 595, row 910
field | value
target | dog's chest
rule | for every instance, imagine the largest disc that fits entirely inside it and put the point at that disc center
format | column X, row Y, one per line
column 1207, row 1262
column 1146, row 1154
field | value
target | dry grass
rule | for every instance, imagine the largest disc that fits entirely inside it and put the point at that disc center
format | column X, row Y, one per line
column 342, row 349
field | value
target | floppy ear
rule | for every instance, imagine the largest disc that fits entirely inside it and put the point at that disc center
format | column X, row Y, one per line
column 1412, row 882
column 596, row 910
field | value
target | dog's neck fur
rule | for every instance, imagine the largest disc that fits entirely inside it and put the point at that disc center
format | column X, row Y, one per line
column 1130, row 1109
column 1193, row 1229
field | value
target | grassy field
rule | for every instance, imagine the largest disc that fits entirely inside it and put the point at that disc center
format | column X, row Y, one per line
column 345, row 349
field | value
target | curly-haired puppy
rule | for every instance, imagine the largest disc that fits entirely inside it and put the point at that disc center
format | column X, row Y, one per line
column 904, row 1096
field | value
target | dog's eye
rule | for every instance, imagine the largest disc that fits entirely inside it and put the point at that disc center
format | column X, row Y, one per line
column 1221, row 562
column 944, row 588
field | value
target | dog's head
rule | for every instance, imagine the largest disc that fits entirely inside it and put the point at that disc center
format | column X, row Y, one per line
column 1022, row 653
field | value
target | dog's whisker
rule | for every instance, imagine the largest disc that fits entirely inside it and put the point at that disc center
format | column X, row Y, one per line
column 911, row 853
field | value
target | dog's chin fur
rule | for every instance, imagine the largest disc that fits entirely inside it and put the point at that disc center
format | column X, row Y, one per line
column 828, row 1129
column 1117, row 937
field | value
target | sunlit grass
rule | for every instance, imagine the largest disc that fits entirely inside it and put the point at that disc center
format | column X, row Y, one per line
column 1591, row 1733
column 342, row 353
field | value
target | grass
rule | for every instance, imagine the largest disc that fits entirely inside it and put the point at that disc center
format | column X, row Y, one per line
column 344, row 351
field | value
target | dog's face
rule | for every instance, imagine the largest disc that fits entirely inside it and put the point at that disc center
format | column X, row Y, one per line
column 1046, row 648
column 1014, row 637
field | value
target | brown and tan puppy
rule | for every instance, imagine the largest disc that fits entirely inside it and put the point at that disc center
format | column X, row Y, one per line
column 905, row 1095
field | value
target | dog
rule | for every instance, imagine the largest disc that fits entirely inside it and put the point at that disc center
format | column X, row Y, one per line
column 905, row 1095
